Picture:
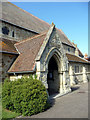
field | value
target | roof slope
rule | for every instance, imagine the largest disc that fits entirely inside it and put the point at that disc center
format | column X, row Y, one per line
column 75, row 58
column 7, row 45
column 64, row 38
column 28, row 51
column 20, row 17
column 17, row 16
column 80, row 53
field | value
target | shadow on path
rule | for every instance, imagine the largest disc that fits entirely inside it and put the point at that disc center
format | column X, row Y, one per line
column 74, row 88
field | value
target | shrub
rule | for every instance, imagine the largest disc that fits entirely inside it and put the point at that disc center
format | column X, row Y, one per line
column 26, row 95
column 6, row 95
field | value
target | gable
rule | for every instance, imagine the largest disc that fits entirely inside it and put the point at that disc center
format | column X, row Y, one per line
column 28, row 50
column 31, row 50
column 52, row 41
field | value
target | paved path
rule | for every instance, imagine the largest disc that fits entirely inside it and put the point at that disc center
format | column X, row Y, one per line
column 72, row 105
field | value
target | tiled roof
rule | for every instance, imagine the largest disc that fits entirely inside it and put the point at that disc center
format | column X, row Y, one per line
column 64, row 38
column 80, row 53
column 75, row 58
column 28, row 51
column 19, row 17
column 88, row 58
column 7, row 45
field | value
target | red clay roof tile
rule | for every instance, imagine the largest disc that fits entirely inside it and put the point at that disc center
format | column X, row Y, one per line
column 7, row 45
column 28, row 52
column 75, row 58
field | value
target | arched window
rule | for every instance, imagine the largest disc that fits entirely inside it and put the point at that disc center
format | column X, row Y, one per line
column 13, row 34
column 5, row 30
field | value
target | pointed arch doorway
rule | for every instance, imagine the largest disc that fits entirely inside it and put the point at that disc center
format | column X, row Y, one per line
column 53, row 76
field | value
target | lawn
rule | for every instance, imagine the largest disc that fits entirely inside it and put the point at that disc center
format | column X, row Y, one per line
column 6, row 114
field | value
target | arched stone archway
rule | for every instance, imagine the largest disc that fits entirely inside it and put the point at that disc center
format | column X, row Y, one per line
column 53, row 79
column 54, row 64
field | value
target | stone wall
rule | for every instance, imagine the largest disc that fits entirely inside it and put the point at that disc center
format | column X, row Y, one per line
column 19, row 33
column 20, row 75
column 88, row 76
column 82, row 76
column 68, row 49
column 52, row 47
column 7, row 60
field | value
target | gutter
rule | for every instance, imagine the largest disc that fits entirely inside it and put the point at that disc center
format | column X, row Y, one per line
column 78, row 62
column 21, row 72
column 68, row 44
column 34, row 70
column 9, row 52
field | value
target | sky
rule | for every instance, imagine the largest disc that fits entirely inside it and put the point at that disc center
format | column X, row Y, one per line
column 71, row 17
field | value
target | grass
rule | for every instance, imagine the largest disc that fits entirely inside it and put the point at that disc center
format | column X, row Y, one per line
column 6, row 114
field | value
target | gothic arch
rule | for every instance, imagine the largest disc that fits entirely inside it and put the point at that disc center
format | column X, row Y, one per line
column 57, row 56
column 53, row 78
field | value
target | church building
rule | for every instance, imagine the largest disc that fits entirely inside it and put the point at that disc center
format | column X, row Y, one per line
column 30, row 46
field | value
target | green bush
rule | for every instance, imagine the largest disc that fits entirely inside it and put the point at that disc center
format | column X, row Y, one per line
column 27, row 96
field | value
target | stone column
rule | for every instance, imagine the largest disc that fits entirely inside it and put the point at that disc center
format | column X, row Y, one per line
column 64, row 81
column 44, row 79
column 71, row 75
column 38, row 69
column 38, row 75
column 61, row 82
column 84, row 74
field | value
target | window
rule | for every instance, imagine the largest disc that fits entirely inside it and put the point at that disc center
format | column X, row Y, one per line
column 13, row 34
column 68, row 49
column 81, row 69
column 5, row 30
column 76, row 69
column 88, row 68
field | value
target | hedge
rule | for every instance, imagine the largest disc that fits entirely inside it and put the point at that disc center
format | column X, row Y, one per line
column 27, row 96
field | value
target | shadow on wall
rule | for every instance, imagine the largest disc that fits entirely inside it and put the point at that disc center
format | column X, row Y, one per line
column 88, row 78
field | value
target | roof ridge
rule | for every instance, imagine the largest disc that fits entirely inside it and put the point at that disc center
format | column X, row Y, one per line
column 29, row 13
column 30, row 38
